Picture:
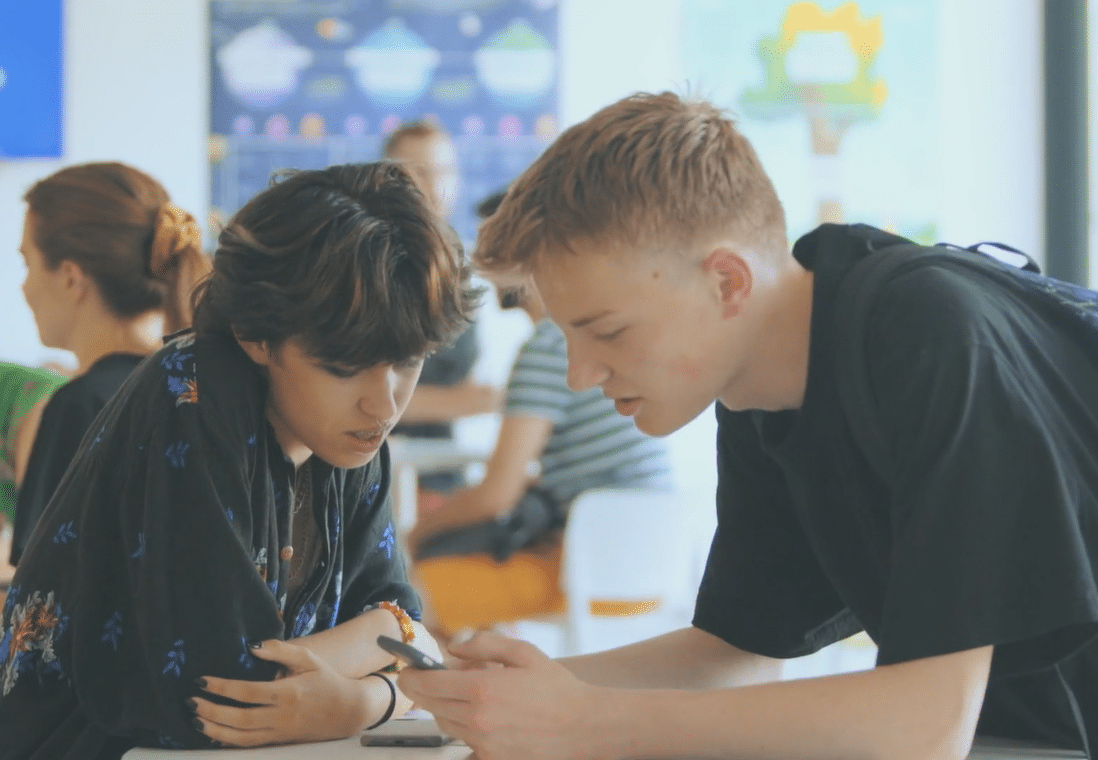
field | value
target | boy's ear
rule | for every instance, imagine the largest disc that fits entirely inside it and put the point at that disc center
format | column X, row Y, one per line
column 731, row 276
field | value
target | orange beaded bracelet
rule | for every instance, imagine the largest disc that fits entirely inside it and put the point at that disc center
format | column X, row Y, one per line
column 407, row 632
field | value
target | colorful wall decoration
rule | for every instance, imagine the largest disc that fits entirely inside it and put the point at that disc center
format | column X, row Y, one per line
column 838, row 98
column 309, row 83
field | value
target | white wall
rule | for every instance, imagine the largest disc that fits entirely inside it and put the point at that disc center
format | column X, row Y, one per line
column 137, row 90
column 991, row 129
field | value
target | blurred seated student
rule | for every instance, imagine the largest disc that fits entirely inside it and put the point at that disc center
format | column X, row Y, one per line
column 446, row 391
column 24, row 392
column 235, row 495
column 111, row 263
column 491, row 554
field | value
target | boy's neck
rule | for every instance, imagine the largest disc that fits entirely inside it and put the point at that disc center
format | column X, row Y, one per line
column 781, row 345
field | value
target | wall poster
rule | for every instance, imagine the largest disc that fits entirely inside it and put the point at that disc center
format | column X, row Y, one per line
column 309, row 83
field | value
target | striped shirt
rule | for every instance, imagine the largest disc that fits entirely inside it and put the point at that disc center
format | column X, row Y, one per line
column 591, row 445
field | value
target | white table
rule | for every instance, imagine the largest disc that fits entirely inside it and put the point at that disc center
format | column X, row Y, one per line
column 412, row 457
column 985, row 749
column 344, row 749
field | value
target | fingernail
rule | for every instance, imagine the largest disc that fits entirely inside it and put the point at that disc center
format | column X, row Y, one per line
column 191, row 703
column 201, row 682
column 198, row 725
column 255, row 644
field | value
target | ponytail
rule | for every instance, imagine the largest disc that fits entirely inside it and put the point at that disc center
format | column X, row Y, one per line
column 176, row 259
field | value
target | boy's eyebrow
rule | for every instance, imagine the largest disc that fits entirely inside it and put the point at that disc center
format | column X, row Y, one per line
column 584, row 321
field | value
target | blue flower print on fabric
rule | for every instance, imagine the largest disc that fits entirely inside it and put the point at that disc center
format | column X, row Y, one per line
column 98, row 436
column 305, row 621
column 65, row 533
column 371, row 492
column 176, row 361
column 13, row 594
column 177, row 454
column 251, row 441
column 139, row 552
column 246, row 658
column 112, row 631
column 229, row 514
column 388, row 541
column 180, row 378
column 176, row 659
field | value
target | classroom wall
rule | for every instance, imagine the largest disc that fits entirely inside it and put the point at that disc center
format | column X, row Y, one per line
column 136, row 90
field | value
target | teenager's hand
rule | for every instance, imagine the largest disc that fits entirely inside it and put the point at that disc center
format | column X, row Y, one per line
column 532, row 708
column 311, row 702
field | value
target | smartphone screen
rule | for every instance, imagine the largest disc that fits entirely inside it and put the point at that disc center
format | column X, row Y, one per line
column 409, row 654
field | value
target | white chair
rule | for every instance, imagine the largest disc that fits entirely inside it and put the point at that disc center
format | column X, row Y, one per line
column 628, row 565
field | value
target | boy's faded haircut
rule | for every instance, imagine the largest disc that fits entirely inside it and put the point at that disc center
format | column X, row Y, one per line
column 646, row 171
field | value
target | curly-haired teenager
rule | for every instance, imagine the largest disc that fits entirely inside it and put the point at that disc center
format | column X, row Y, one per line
column 219, row 560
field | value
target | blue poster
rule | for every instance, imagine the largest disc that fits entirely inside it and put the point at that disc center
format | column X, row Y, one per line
column 309, row 83
column 30, row 79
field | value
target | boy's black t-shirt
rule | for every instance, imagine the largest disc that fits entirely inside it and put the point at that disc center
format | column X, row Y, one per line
column 986, row 531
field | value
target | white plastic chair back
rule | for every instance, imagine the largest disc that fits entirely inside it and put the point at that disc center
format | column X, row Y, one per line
column 624, row 549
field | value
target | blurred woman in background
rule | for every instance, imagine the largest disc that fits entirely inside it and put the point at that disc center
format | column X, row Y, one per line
column 111, row 263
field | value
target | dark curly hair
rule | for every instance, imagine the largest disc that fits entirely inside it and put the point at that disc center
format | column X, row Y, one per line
column 350, row 261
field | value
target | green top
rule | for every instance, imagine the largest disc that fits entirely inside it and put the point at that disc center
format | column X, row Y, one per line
column 20, row 389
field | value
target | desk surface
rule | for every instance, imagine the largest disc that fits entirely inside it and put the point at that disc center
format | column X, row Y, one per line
column 344, row 749
column 985, row 749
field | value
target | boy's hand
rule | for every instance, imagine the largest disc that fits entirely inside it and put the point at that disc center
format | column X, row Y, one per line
column 311, row 702
column 532, row 708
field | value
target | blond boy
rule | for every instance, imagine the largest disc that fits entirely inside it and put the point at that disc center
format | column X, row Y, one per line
column 910, row 455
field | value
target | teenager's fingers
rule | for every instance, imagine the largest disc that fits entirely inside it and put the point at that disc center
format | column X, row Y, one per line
column 440, row 685
column 232, row 737
column 294, row 657
column 240, row 718
column 494, row 647
column 249, row 692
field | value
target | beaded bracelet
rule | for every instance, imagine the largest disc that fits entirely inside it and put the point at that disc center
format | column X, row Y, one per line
column 392, row 699
column 407, row 632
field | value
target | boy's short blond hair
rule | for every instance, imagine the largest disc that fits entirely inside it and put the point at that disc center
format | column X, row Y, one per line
column 649, row 171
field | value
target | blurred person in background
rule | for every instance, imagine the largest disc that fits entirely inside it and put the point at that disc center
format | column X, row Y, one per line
column 111, row 263
column 446, row 391
column 491, row 554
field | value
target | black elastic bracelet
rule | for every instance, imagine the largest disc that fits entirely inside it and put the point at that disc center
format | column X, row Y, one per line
column 392, row 700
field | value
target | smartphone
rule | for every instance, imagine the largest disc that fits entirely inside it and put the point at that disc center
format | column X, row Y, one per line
column 406, row 732
column 409, row 654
